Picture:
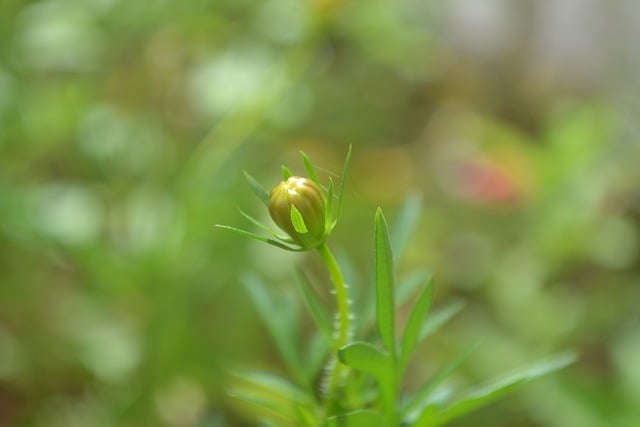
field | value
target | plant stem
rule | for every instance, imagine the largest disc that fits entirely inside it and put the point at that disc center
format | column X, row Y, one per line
column 342, row 333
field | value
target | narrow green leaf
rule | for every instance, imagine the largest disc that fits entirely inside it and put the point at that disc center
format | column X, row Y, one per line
column 364, row 357
column 275, row 397
column 309, row 167
column 405, row 289
column 408, row 286
column 280, row 318
column 257, row 188
column 316, row 307
column 275, row 384
column 286, row 172
column 258, row 237
column 405, row 223
column 422, row 397
column 439, row 318
column 497, row 388
column 384, row 285
column 363, row 418
column 427, row 418
column 298, row 221
column 343, row 179
column 328, row 211
column 411, row 335
column 263, row 227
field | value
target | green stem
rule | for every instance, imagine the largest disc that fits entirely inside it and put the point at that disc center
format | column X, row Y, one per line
column 342, row 335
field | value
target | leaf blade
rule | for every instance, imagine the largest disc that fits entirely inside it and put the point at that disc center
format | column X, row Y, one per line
column 298, row 221
column 343, row 179
column 262, row 194
column 385, row 306
column 309, row 167
column 405, row 223
column 421, row 399
column 363, row 418
column 366, row 358
column 257, row 237
column 411, row 335
column 485, row 394
column 286, row 172
column 439, row 318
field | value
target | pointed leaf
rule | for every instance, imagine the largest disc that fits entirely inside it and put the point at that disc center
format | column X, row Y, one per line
column 257, row 188
column 495, row 389
column 309, row 167
column 411, row 335
column 439, row 318
column 286, row 172
column 276, row 385
column 405, row 223
column 263, row 227
column 422, row 398
column 274, row 396
column 328, row 211
column 408, row 286
column 343, row 179
column 258, row 237
column 298, row 221
column 364, row 418
column 384, row 284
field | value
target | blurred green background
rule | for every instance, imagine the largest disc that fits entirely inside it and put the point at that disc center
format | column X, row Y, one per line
column 124, row 130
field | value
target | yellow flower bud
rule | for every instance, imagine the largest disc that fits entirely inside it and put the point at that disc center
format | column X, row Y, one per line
column 297, row 206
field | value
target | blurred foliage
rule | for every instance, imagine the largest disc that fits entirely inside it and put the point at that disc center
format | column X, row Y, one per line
column 124, row 130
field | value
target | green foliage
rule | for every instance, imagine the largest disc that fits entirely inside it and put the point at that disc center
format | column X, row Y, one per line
column 362, row 402
column 385, row 282
column 123, row 128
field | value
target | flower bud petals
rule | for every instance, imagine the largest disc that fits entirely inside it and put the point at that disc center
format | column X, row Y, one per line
column 301, row 200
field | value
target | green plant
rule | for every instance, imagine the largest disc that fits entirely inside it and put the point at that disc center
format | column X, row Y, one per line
column 360, row 381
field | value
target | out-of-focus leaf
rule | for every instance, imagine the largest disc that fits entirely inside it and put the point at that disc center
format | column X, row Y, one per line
column 405, row 223
column 309, row 167
column 384, row 284
column 262, row 226
column 286, row 172
column 318, row 310
column 364, row 357
column 421, row 400
column 316, row 355
column 411, row 335
column 329, row 223
column 281, row 320
column 427, row 418
column 364, row 418
column 258, row 237
column 497, row 388
column 257, row 188
column 343, row 179
column 408, row 286
column 276, row 396
column 439, row 318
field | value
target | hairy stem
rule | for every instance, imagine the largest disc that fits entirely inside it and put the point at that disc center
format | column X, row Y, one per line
column 342, row 333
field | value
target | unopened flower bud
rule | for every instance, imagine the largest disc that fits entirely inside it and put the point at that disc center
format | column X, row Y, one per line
column 297, row 206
